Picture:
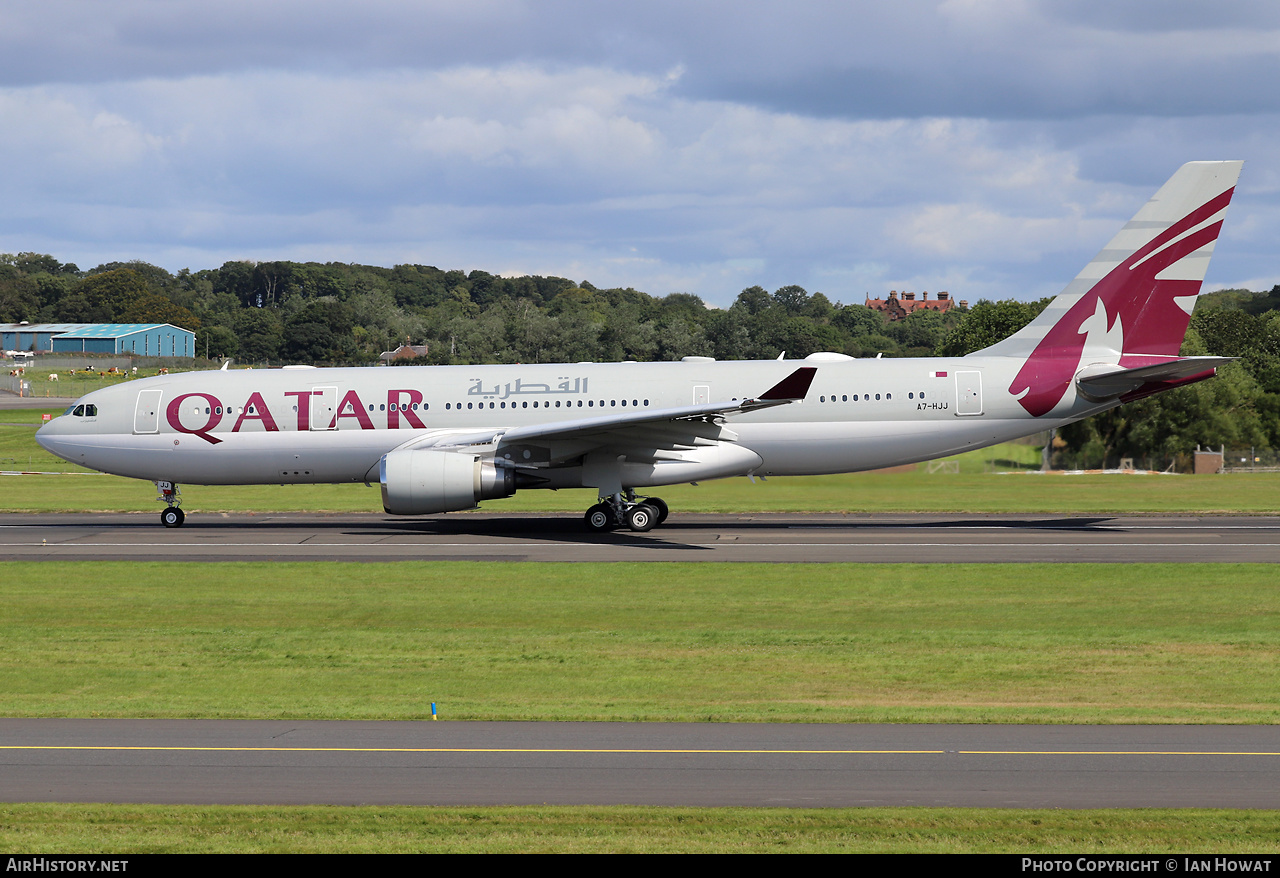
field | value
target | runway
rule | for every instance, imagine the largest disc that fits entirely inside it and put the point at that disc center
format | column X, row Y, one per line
column 927, row 538
column 443, row 763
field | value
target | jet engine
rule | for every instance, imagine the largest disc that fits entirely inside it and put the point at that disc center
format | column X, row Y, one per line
column 421, row 481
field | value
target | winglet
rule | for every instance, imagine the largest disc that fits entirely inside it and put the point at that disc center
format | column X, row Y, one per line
column 794, row 386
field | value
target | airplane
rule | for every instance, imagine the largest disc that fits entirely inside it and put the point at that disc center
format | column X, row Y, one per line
column 443, row 438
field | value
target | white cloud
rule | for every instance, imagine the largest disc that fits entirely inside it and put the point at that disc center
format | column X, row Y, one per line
column 667, row 146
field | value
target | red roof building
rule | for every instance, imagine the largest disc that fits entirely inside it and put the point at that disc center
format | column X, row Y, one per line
column 896, row 307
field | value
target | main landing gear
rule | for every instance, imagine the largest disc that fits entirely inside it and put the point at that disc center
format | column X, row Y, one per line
column 626, row 511
column 173, row 516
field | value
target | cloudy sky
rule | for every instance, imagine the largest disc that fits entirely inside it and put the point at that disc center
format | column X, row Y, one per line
column 985, row 147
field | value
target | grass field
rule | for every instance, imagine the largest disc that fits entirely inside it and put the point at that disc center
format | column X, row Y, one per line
column 688, row 642
column 245, row 829
column 855, row 493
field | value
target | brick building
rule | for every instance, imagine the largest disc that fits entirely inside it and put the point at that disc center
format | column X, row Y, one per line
column 896, row 306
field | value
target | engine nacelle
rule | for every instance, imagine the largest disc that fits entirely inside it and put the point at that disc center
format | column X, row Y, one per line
column 418, row 482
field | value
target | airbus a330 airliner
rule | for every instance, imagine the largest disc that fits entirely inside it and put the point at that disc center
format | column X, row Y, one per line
column 443, row 438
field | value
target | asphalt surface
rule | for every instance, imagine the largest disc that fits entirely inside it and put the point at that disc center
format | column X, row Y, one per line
column 444, row 763
column 684, row 537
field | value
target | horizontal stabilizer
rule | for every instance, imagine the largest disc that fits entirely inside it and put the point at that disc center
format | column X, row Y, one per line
column 1113, row 382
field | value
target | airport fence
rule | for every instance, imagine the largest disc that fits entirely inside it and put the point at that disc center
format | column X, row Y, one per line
column 78, row 374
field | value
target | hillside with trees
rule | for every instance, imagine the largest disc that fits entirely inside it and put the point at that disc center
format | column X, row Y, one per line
column 344, row 314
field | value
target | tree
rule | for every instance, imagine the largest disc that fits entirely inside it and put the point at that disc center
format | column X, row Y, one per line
column 106, row 296
column 216, row 342
column 19, row 296
column 155, row 308
column 987, row 323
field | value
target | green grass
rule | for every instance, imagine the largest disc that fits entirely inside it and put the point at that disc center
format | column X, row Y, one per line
column 854, row 493
column 58, row 829
column 672, row 642
column 75, row 384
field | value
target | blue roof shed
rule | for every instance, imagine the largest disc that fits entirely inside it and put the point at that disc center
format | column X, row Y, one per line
column 145, row 339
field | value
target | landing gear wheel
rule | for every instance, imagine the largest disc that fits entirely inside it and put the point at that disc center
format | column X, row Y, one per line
column 173, row 517
column 642, row 517
column 599, row 518
column 658, row 507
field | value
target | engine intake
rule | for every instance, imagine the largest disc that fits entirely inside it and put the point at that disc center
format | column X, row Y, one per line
column 419, row 482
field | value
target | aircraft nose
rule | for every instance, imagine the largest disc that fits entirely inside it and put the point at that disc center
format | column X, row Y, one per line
column 49, row 436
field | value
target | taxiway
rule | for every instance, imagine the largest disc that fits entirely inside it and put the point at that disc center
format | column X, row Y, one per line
column 698, row 764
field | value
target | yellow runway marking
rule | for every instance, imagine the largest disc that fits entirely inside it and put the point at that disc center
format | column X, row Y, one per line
column 629, row 751
column 469, row 750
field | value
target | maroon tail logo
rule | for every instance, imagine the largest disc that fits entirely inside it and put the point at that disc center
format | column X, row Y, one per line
column 1132, row 296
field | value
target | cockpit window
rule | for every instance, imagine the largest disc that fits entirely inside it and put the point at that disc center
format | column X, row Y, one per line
column 90, row 411
column 69, row 410
column 79, row 411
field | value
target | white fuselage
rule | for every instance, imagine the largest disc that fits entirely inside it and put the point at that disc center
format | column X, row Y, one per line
column 334, row 425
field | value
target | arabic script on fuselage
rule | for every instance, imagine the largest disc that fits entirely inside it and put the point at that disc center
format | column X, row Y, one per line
column 521, row 387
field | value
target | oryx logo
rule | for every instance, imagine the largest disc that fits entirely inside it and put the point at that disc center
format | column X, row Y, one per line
column 1130, row 311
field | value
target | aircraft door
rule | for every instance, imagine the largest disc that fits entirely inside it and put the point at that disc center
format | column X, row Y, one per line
column 146, row 417
column 968, row 393
column 323, row 415
column 701, row 394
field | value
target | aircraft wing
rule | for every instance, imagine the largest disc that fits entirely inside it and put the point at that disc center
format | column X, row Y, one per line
column 631, row 425
column 1113, row 382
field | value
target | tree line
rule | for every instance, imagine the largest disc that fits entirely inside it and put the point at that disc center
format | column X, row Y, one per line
column 337, row 313
column 346, row 314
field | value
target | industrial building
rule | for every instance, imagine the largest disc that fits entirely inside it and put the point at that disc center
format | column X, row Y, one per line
column 142, row 339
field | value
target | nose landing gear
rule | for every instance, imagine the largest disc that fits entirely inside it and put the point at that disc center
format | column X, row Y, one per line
column 172, row 516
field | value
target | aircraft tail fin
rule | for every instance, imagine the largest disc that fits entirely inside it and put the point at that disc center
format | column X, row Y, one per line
column 1131, row 305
